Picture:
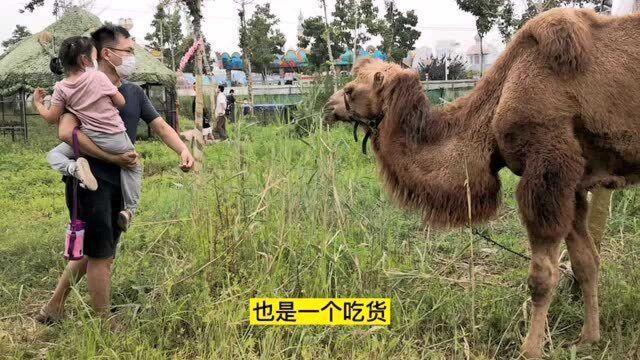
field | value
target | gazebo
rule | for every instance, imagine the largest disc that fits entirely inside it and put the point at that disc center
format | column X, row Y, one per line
column 345, row 61
column 25, row 66
column 289, row 63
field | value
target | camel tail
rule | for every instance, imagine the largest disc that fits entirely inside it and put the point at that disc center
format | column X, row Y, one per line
column 564, row 39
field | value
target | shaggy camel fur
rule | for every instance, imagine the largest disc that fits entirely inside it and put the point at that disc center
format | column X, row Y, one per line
column 559, row 108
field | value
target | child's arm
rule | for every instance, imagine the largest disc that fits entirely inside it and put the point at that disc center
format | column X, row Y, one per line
column 118, row 100
column 50, row 115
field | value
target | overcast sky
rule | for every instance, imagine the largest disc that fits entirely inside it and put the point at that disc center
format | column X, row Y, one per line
column 438, row 19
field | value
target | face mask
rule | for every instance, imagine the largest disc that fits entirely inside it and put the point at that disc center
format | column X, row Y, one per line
column 127, row 67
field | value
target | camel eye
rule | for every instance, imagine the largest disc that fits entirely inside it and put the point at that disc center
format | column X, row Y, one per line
column 348, row 91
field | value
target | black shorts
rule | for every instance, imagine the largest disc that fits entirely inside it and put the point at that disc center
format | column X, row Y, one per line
column 99, row 210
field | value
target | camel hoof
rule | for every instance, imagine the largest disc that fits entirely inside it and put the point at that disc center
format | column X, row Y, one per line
column 587, row 339
column 531, row 354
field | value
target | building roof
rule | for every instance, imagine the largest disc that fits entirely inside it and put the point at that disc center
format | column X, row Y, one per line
column 346, row 58
column 26, row 64
column 232, row 62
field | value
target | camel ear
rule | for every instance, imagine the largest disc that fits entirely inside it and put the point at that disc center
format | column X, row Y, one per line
column 378, row 79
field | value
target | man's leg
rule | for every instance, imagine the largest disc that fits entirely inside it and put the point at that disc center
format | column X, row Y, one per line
column 221, row 127
column 99, row 285
column 71, row 275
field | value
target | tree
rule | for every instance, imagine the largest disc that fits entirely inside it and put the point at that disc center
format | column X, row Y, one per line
column 435, row 68
column 19, row 33
column 486, row 13
column 398, row 31
column 166, row 34
column 354, row 22
column 59, row 6
column 263, row 38
column 313, row 38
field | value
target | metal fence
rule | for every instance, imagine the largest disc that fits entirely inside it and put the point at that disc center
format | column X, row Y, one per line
column 13, row 116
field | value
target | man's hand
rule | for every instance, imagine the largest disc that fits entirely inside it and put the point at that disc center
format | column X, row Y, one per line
column 128, row 160
column 38, row 97
column 187, row 160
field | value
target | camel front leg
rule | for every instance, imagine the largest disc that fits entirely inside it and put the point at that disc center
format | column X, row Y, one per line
column 543, row 280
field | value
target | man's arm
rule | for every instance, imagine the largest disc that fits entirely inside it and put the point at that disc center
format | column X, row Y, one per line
column 65, row 132
column 171, row 138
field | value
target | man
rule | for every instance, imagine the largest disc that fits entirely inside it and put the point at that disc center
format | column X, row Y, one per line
column 99, row 209
column 231, row 106
column 220, row 131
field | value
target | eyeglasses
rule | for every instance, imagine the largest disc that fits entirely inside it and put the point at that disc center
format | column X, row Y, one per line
column 128, row 51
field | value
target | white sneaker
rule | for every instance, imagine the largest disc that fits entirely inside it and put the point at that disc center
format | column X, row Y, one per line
column 83, row 173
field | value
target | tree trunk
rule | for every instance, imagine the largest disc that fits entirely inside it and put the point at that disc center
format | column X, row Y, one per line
column 481, row 56
column 355, row 34
column 172, row 50
column 197, row 143
column 246, row 58
column 332, row 65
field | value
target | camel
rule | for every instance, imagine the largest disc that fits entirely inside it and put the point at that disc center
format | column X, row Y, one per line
column 559, row 108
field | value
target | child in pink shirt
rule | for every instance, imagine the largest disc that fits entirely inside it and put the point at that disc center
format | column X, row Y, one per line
column 91, row 96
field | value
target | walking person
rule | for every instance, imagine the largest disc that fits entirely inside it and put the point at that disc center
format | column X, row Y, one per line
column 99, row 209
column 220, row 131
column 245, row 107
column 231, row 106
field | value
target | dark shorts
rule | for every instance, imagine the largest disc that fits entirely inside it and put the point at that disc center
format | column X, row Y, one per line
column 99, row 210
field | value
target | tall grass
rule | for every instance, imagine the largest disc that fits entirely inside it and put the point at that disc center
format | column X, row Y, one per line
column 277, row 215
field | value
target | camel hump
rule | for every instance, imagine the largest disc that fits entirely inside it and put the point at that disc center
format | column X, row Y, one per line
column 564, row 38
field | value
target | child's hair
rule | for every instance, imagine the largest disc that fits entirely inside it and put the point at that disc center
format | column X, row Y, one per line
column 71, row 49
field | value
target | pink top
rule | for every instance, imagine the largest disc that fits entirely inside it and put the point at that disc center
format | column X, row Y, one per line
column 89, row 99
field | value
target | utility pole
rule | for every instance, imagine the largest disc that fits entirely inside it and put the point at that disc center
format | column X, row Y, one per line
column 327, row 28
column 246, row 51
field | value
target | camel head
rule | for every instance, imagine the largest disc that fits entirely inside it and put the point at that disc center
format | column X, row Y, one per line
column 360, row 99
column 378, row 89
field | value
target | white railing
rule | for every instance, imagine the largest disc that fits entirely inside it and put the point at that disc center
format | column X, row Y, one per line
column 297, row 89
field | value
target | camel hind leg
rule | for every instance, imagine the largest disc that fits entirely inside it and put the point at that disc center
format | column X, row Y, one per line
column 552, row 168
column 585, row 262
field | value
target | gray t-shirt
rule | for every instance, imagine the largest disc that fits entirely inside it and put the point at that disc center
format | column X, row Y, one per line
column 138, row 106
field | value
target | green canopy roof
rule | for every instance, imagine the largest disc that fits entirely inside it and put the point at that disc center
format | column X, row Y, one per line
column 26, row 64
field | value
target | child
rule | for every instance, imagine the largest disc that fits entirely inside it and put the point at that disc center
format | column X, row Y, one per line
column 90, row 95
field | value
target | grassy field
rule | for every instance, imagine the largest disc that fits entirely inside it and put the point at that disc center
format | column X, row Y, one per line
column 279, row 216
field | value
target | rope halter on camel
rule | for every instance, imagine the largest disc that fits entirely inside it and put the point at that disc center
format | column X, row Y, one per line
column 370, row 124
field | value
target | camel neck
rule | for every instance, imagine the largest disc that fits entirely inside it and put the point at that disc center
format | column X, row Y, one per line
column 427, row 156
